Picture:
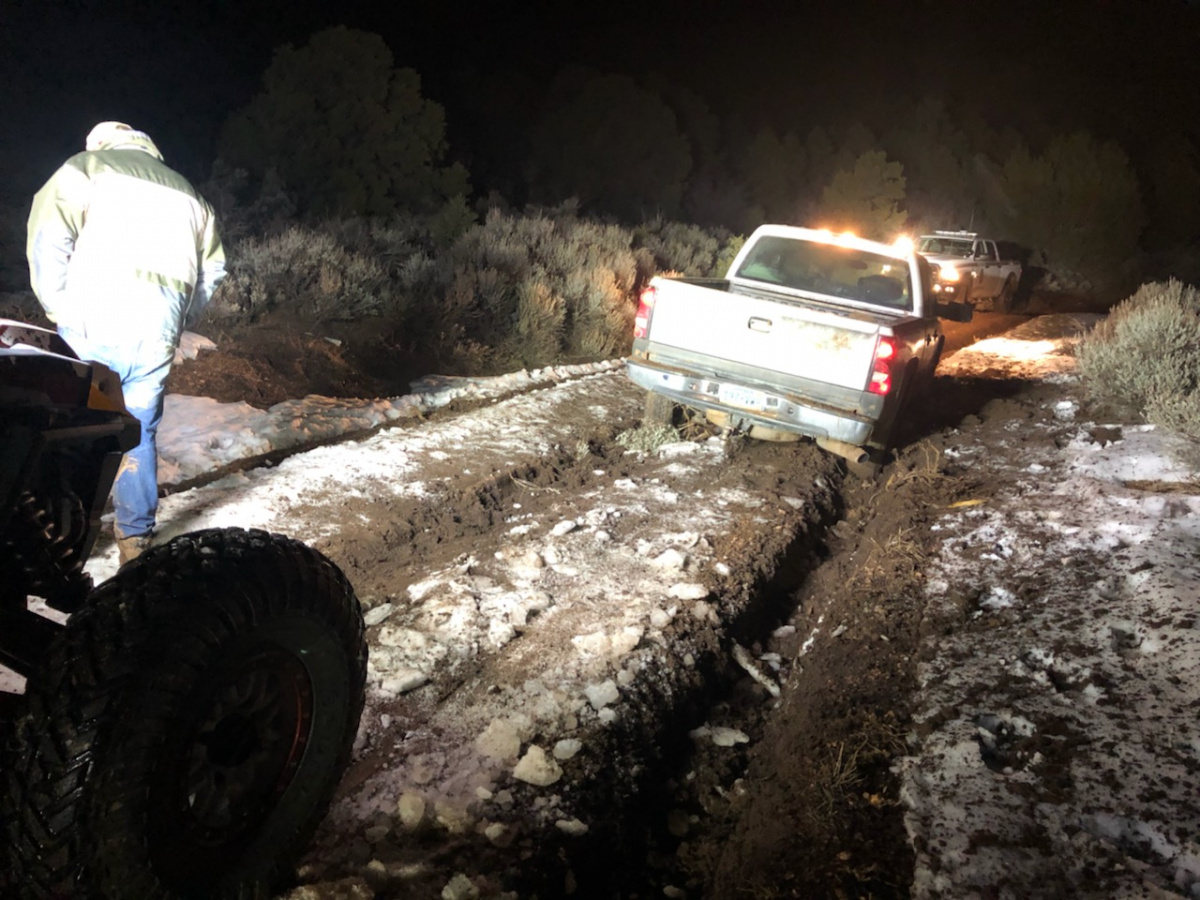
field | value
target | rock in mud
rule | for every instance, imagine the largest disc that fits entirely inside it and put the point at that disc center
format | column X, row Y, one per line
column 573, row 827
column 685, row 591
column 567, row 748
column 602, row 694
column 460, row 887
column 536, row 768
column 500, row 740
column 410, row 809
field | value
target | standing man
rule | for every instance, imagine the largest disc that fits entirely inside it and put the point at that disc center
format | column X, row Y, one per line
column 123, row 254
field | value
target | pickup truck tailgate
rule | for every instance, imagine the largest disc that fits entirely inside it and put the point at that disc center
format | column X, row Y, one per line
column 765, row 333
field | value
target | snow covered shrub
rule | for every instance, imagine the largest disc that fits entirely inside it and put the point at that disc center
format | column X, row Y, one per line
column 1146, row 356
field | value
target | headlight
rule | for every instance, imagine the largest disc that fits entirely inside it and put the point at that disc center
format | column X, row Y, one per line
column 948, row 273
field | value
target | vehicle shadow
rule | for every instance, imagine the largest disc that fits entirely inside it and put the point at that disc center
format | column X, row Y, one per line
column 951, row 399
column 1031, row 276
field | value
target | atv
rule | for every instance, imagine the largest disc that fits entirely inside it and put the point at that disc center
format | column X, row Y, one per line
column 182, row 734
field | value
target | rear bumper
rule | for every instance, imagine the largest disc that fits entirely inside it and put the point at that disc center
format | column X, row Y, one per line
column 781, row 410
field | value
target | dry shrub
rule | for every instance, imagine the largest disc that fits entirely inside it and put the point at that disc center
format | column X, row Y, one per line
column 1179, row 413
column 1147, row 348
column 1145, row 357
column 647, row 438
column 603, row 315
column 546, row 287
column 688, row 249
column 920, row 464
column 306, row 272
column 537, row 334
column 516, row 290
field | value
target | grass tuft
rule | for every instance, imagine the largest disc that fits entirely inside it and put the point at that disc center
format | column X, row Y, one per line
column 647, row 438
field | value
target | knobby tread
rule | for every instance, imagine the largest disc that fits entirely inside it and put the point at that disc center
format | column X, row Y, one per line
column 138, row 645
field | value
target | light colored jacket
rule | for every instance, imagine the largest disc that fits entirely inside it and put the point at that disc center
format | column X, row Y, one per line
column 122, row 248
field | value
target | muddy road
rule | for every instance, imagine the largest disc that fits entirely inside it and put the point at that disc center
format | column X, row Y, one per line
column 603, row 671
column 582, row 652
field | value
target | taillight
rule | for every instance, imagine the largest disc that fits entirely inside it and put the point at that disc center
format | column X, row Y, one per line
column 641, row 321
column 881, row 374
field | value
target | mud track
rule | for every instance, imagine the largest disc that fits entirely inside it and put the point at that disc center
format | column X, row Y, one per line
column 607, row 673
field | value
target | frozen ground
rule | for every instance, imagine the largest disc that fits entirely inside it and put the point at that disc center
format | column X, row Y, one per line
column 1057, row 747
column 1057, row 752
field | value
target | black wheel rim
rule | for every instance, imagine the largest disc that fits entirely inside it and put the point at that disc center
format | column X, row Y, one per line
column 222, row 773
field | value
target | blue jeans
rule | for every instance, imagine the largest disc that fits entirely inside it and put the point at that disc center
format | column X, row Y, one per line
column 142, row 367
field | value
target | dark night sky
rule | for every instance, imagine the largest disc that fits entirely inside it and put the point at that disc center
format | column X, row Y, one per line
column 1123, row 68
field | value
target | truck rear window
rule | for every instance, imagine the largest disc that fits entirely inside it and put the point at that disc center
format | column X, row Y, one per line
column 829, row 269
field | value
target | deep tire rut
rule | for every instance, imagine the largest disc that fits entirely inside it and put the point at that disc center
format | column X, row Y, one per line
column 760, row 517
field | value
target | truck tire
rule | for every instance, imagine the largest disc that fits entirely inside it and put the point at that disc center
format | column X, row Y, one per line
column 898, row 424
column 1004, row 300
column 189, row 726
column 659, row 409
column 925, row 379
column 964, row 289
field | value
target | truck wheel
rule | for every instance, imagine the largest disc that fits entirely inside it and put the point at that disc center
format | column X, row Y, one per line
column 925, row 379
column 659, row 410
column 900, row 420
column 964, row 290
column 1004, row 301
column 189, row 726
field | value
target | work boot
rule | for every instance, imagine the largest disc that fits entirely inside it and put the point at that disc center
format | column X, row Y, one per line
column 130, row 548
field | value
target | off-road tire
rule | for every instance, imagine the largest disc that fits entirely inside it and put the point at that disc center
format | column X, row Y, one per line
column 659, row 409
column 189, row 726
column 1004, row 300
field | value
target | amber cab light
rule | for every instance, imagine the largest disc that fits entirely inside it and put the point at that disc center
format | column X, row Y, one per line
column 641, row 321
column 881, row 374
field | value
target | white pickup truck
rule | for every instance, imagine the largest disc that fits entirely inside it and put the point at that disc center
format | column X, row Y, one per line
column 971, row 269
column 810, row 334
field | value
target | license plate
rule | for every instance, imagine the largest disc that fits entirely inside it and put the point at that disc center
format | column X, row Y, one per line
column 733, row 395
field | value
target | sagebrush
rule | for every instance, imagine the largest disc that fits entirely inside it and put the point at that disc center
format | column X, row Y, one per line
column 1145, row 357
column 514, row 290
column 544, row 287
